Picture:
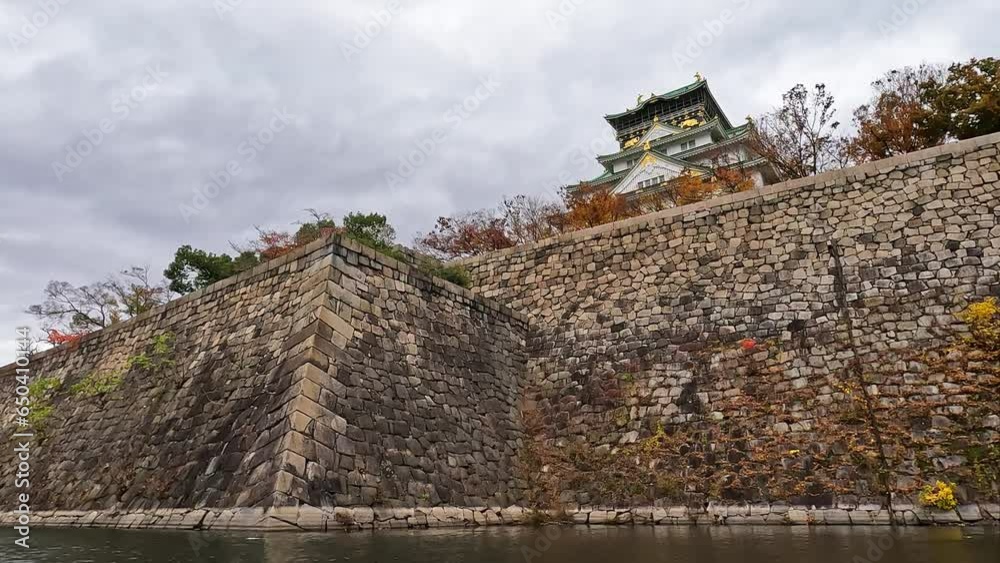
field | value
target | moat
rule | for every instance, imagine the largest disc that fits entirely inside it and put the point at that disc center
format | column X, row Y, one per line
column 495, row 545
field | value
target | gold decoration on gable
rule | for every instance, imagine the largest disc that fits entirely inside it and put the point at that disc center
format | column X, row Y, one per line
column 647, row 161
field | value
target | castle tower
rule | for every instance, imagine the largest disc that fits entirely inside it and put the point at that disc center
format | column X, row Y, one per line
column 667, row 134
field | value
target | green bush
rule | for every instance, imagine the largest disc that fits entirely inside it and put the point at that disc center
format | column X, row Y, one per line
column 98, row 383
column 39, row 416
column 40, row 401
column 370, row 229
column 39, row 388
column 158, row 357
column 455, row 274
column 141, row 361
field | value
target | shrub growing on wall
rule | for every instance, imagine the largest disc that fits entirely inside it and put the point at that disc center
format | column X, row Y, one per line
column 983, row 319
column 940, row 495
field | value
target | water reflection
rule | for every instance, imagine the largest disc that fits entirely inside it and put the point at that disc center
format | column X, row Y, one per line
column 523, row 545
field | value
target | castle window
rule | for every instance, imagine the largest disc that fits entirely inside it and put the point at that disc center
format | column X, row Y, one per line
column 651, row 182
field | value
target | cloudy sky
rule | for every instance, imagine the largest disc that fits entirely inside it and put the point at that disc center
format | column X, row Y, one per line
column 131, row 127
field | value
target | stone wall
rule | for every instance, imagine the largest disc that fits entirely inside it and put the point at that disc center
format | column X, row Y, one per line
column 789, row 355
column 409, row 392
column 331, row 376
column 760, row 345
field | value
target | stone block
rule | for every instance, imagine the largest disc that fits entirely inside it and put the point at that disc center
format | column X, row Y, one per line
column 944, row 516
column 798, row 516
column 969, row 513
column 600, row 516
column 835, row 516
column 245, row 518
column 990, row 510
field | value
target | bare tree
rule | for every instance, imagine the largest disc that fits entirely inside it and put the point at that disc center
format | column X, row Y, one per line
column 530, row 218
column 134, row 293
column 799, row 137
column 70, row 309
column 83, row 308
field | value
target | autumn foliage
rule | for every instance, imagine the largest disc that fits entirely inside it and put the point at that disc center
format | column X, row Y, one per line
column 732, row 180
column 524, row 219
column 910, row 109
column 271, row 244
column 58, row 338
column 591, row 207
column 890, row 123
column 467, row 234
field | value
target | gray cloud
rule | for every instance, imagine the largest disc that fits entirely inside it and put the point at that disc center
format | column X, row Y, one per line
column 561, row 65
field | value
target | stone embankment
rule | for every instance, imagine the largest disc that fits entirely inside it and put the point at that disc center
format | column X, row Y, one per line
column 308, row 518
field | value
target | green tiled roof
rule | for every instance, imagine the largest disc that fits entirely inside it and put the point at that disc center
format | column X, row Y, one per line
column 732, row 135
column 636, row 149
column 668, row 96
column 614, row 177
column 609, row 177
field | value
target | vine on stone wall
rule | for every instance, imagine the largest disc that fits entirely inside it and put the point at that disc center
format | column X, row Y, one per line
column 779, row 443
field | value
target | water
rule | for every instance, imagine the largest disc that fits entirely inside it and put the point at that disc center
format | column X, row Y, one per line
column 523, row 545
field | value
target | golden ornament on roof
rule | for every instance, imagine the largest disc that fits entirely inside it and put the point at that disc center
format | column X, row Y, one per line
column 647, row 161
column 631, row 142
column 691, row 122
column 698, row 77
column 645, row 146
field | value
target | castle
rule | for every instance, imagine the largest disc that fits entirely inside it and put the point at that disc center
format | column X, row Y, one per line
column 684, row 130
